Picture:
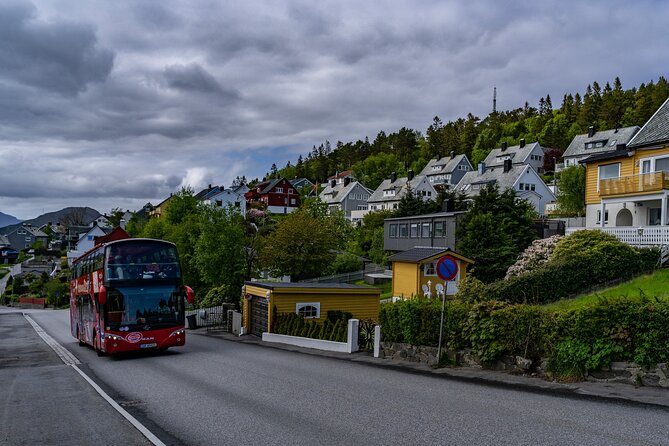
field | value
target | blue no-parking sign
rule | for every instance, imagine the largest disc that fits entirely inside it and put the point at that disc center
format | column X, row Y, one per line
column 447, row 267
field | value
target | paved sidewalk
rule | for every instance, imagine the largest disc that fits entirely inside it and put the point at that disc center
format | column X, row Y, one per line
column 616, row 392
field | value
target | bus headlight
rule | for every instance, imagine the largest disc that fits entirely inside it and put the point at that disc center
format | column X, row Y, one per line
column 114, row 337
column 179, row 332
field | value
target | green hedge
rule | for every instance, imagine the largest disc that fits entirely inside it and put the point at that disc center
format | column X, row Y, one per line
column 565, row 277
column 292, row 324
column 574, row 341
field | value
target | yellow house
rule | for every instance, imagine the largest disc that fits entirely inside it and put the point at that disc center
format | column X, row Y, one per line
column 312, row 300
column 423, row 271
column 628, row 187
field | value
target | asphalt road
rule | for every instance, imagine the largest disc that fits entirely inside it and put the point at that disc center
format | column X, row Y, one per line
column 45, row 402
column 214, row 391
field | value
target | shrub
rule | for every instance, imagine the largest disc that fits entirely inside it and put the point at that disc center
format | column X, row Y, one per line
column 537, row 254
column 292, row 324
column 219, row 296
column 575, row 341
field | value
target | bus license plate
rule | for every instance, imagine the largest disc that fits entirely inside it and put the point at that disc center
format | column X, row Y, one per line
column 153, row 344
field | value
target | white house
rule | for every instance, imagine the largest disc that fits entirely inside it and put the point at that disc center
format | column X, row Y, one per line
column 522, row 154
column 522, row 178
column 227, row 197
column 391, row 191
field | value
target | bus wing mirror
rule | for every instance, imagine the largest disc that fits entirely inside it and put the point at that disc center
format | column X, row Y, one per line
column 190, row 295
column 102, row 295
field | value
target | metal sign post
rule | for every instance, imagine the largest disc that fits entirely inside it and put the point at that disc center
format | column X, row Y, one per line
column 441, row 323
column 447, row 269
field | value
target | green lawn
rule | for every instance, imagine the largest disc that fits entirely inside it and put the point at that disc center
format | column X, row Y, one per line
column 651, row 285
column 386, row 288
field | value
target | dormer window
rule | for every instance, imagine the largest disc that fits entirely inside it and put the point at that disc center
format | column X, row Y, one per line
column 596, row 144
column 279, row 190
column 389, row 193
column 436, row 168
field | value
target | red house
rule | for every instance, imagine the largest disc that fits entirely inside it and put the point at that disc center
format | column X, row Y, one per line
column 278, row 195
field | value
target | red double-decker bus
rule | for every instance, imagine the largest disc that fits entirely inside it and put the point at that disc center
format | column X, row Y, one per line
column 128, row 295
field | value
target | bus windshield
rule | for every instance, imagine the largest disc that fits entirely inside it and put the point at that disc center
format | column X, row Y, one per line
column 144, row 308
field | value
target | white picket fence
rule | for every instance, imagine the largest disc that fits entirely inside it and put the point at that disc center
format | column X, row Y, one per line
column 642, row 236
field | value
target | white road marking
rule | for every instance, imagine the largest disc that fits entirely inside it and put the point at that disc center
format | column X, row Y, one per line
column 69, row 359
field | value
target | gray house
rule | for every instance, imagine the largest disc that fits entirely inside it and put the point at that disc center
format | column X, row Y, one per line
column 25, row 236
column 531, row 154
column 582, row 146
column 522, row 178
column 447, row 171
column 429, row 230
column 346, row 196
column 391, row 191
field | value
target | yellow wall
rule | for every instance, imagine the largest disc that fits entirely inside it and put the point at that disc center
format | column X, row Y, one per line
column 362, row 303
column 405, row 279
column 409, row 277
column 628, row 166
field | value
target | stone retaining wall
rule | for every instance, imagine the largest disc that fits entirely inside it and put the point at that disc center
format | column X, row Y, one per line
column 618, row 372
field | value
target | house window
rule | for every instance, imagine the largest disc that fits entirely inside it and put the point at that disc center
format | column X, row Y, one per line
column 28, row 239
column 425, row 230
column 292, row 201
column 429, row 269
column 21, row 232
column 599, row 217
column 608, row 171
column 439, row 229
column 362, row 207
column 89, row 238
column 414, row 230
column 392, row 230
column 291, row 191
column 662, row 165
column 394, row 205
column 219, row 203
column 238, row 204
column 404, row 230
column 308, row 310
column 279, row 190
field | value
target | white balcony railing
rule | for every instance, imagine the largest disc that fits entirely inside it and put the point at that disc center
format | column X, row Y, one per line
column 635, row 236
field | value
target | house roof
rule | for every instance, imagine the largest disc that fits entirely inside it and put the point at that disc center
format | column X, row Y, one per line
column 338, row 193
column 303, row 181
column 516, row 153
column 435, row 215
column 610, row 154
column 399, row 185
column 417, row 254
column 446, row 164
column 4, row 241
column 206, row 191
column 613, row 138
column 343, row 174
column 656, row 130
column 268, row 185
column 288, row 285
column 496, row 175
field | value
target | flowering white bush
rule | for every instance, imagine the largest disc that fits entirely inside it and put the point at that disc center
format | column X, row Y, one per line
column 537, row 254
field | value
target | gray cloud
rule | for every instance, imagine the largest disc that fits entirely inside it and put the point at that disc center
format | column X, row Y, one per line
column 125, row 103
column 61, row 56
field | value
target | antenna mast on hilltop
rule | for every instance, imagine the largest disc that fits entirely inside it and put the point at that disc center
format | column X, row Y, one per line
column 494, row 99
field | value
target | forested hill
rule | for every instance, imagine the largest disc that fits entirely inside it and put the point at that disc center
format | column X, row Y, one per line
column 605, row 107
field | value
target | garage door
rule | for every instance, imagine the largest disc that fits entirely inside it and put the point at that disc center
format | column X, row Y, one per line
column 259, row 316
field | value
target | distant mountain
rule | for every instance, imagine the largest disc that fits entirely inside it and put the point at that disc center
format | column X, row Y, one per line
column 70, row 215
column 6, row 220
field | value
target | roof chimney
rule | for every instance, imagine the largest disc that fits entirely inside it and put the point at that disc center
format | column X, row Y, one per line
column 522, row 142
column 333, row 183
column 210, row 186
column 452, row 154
column 507, row 165
column 504, row 146
column 347, row 181
column 393, row 177
column 410, row 175
column 591, row 131
column 481, row 167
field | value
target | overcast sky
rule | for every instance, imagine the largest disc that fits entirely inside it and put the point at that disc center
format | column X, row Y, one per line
column 117, row 103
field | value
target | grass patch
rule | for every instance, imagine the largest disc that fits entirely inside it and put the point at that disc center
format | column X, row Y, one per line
column 651, row 285
column 386, row 288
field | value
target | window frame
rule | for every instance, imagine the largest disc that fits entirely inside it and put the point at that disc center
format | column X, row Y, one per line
column 304, row 305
